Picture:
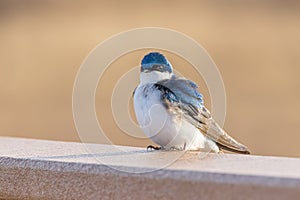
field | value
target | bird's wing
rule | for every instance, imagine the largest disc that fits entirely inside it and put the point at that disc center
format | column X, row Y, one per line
column 182, row 96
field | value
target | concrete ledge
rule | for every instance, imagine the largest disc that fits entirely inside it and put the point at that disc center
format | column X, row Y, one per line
column 38, row 169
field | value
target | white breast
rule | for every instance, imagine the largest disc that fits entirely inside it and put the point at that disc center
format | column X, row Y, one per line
column 164, row 128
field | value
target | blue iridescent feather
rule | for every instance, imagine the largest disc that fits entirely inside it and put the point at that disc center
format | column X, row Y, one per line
column 185, row 91
column 154, row 58
column 167, row 94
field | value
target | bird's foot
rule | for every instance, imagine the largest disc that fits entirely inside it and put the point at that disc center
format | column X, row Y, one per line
column 151, row 147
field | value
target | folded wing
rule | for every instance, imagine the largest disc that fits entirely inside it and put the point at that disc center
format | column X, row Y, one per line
column 183, row 96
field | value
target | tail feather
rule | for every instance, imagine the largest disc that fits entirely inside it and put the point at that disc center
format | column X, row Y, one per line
column 223, row 140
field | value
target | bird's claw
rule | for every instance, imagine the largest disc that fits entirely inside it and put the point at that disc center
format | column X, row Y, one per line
column 151, row 147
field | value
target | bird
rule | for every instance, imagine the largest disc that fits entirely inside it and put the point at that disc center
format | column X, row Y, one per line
column 170, row 111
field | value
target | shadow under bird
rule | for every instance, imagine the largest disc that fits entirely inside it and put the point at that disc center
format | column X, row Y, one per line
column 170, row 110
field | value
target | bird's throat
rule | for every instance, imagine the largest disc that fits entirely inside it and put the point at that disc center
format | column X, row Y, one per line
column 154, row 76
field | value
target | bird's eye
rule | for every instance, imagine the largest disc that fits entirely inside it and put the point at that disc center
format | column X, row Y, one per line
column 158, row 67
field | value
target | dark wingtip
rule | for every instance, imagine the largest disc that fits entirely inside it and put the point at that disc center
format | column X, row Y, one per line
column 244, row 151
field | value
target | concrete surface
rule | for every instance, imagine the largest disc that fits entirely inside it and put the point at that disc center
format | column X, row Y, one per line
column 39, row 169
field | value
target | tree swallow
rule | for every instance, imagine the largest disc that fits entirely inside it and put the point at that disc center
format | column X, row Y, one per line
column 170, row 110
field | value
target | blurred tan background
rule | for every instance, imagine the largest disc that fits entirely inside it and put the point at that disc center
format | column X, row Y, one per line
column 256, row 46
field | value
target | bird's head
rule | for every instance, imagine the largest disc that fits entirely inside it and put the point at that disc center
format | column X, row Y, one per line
column 155, row 67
